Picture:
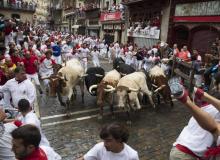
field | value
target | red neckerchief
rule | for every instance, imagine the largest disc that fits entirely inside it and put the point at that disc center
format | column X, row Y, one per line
column 37, row 154
column 212, row 152
column 10, row 65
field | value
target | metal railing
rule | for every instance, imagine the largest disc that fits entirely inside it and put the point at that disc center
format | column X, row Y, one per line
column 18, row 6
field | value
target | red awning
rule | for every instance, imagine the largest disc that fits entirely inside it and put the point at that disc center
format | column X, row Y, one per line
column 196, row 18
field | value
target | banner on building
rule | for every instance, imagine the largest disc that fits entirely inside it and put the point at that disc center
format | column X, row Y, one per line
column 152, row 34
column 210, row 8
column 112, row 16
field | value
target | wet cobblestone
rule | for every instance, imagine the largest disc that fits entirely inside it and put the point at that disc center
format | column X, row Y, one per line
column 152, row 133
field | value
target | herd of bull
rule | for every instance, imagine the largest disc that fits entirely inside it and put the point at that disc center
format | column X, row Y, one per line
column 122, row 85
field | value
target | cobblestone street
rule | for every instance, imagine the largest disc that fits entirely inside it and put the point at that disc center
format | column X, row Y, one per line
column 151, row 133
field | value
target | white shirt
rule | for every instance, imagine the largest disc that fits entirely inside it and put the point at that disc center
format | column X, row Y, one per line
column 23, row 90
column 84, row 52
column 46, row 67
column 31, row 118
column 6, row 142
column 99, row 152
column 95, row 55
column 67, row 49
column 194, row 137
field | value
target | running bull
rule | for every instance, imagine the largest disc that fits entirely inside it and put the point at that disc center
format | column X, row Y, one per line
column 160, row 84
column 105, row 89
column 94, row 75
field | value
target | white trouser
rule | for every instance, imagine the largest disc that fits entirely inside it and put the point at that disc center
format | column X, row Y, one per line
column 109, row 56
column 96, row 62
column 84, row 63
column 103, row 52
column 34, row 77
column 139, row 64
column 58, row 59
column 46, row 81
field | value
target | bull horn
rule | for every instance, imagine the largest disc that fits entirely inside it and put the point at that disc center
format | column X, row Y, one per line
column 92, row 87
column 109, row 88
column 84, row 75
column 133, row 90
column 99, row 75
column 160, row 88
column 123, row 74
column 155, row 86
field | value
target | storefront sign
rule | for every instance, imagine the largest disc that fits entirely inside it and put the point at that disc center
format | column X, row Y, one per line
column 108, row 27
column 114, row 16
column 151, row 34
column 198, row 9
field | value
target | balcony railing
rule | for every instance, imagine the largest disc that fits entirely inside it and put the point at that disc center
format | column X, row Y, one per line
column 91, row 6
column 18, row 6
column 130, row 1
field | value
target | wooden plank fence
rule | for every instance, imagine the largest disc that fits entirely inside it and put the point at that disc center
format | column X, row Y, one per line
column 185, row 71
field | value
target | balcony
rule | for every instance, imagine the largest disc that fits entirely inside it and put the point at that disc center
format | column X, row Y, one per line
column 80, row 14
column 68, row 11
column 58, row 7
column 111, row 16
column 127, row 2
column 25, row 7
column 91, row 6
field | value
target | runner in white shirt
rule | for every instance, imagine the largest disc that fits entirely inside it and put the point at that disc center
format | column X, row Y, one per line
column 111, row 53
column 113, row 147
column 196, row 139
column 103, row 49
column 21, row 144
column 117, row 49
column 128, row 55
column 5, row 138
column 29, row 117
column 20, row 87
column 67, row 50
column 95, row 57
column 84, row 51
column 46, row 68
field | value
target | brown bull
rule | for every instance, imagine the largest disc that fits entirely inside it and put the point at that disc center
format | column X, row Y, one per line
column 105, row 90
column 160, row 84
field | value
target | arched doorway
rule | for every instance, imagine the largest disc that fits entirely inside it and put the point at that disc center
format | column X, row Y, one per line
column 203, row 37
column 180, row 35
